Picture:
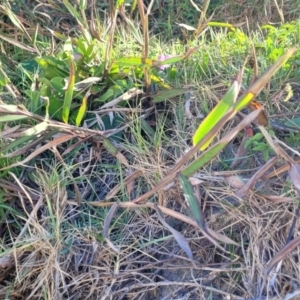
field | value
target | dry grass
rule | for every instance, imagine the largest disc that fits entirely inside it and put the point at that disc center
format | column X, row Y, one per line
column 61, row 252
column 53, row 248
column 257, row 12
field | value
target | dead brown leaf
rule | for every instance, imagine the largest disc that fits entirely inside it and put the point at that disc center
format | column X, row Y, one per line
column 243, row 191
column 106, row 226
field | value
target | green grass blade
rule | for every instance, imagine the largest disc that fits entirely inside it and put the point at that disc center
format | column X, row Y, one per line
column 216, row 114
column 214, row 150
column 16, row 143
column 16, row 21
column 74, row 12
column 69, row 93
column 205, row 158
column 9, row 118
column 134, row 61
column 192, row 200
column 82, row 109
column 17, row 43
column 111, row 148
column 164, row 95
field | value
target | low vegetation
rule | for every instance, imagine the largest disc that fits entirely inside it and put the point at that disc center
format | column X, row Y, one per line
column 149, row 150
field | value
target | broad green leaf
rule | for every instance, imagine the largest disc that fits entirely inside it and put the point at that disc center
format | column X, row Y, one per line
column 82, row 47
column 55, row 108
column 106, row 96
column 216, row 114
column 58, row 84
column 45, row 62
column 164, row 95
column 295, row 122
column 69, row 92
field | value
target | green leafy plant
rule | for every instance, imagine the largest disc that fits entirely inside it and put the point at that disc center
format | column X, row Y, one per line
column 279, row 38
column 257, row 143
column 86, row 73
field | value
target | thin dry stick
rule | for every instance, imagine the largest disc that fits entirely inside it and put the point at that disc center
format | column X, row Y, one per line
column 279, row 11
column 203, row 12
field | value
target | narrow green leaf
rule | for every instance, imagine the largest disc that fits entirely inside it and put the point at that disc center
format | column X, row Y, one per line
column 221, row 24
column 74, row 12
column 69, row 93
column 203, row 159
column 82, row 4
column 164, row 95
column 52, row 143
column 134, row 61
column 16, row 21
column 57, row 34
column 16, row 143
column 148, row 129
column 11, row 118
column 111, row 148
column 82, row 109
column 214, row 150
column 216, row 114
column 192, row 200
column 136, row 32
column 17, row 43
column 3, row 77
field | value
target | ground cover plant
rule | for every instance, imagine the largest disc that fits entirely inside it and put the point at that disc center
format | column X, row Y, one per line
column 149, row 150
